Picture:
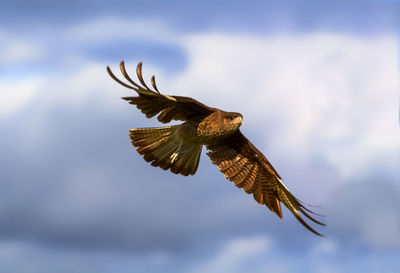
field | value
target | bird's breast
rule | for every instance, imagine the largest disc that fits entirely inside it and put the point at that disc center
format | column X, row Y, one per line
column 200, row 132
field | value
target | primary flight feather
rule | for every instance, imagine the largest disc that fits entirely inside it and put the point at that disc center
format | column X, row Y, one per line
column 178, row 147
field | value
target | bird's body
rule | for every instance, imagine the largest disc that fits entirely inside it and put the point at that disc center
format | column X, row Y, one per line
column 217, row 125
column 178, row 147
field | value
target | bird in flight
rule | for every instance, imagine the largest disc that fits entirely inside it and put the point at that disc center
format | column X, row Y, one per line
column 178, row 147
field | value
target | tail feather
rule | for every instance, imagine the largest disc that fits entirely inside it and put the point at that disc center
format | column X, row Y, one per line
column 163, row 149
column 178, row 166
column 147, row 150
column 193, row 162
column 163, row 155
column 188, row 163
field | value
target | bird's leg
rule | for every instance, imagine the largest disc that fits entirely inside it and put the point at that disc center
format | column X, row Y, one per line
column 182, row 151
column 175, row 155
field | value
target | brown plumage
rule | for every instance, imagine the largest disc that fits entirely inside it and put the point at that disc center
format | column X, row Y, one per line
column 178, row 147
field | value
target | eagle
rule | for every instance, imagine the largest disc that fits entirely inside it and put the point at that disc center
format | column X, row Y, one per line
column 178, row 147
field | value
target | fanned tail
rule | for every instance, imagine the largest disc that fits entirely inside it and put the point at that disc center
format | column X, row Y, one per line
column 159, row 146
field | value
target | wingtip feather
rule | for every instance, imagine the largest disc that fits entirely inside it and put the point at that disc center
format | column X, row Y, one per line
column 304, row 223
column 278, row 208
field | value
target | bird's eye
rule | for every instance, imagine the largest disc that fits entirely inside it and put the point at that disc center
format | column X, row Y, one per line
column 230, row 118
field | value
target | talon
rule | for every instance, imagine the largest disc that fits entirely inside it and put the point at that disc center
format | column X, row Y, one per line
column 174, row 156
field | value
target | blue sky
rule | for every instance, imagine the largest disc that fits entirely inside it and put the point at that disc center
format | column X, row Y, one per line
column 320, row 77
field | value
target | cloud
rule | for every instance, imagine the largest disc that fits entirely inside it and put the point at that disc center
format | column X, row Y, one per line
column 259, row 17
column 333, row 86
column 320, row 93
column 17, row 50
column 327, row 115
column 43, row 259
column 235, row 253
column 122, row 28
column 15, row 94
column 18, row 84
column 366, row 213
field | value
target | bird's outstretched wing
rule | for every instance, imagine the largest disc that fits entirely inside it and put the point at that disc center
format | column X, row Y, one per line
column 152, row 102
column 240, row 161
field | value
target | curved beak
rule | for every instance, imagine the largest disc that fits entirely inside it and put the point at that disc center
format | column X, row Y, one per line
column 240, row 121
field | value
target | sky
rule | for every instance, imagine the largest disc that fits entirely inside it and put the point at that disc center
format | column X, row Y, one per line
column 317, row 83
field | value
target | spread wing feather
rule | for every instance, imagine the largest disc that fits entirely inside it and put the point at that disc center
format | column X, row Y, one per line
column 243, row 164
column 152, row 102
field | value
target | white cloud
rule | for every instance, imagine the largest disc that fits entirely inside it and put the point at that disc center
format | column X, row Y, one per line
column 16, row 91
column 329, row 95
column 15, row 94
column 17, row 50
column 326, row 246
column 107, row 28
column 318, row 95
column 369, row 212
column 38, row 259
column 235, row 253
column 88, row 82
column 382, row 228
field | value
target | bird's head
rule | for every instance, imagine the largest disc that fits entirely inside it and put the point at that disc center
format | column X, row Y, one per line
column 233, row 119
